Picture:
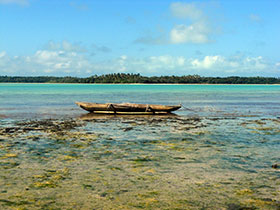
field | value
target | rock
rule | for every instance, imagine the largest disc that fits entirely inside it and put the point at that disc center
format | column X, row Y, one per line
column 9, row 130
column 127, row 129
column 275, row 166
column 233, row 206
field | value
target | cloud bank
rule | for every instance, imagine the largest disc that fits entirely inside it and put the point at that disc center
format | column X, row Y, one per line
column 63, row 62
column 44, row 62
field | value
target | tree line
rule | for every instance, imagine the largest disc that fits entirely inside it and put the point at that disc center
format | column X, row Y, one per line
column 122, row 78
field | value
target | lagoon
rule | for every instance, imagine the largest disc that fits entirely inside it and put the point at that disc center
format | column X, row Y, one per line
column 23, row 100
column 216, row 152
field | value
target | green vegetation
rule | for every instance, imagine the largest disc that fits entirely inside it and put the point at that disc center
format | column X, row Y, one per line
column 137, row 78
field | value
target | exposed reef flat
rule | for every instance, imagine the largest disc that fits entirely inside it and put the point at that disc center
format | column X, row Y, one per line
column 143, row 162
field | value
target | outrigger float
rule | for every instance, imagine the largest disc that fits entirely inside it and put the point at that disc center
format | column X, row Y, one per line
column 127, row 108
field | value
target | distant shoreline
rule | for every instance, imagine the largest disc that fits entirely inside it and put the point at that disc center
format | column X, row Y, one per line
column 48, row 83
column 121, row 78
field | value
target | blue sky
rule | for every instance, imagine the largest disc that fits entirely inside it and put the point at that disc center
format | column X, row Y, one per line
column 151, row 37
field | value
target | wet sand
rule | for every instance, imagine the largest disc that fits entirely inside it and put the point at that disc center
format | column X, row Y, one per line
column 143, row 162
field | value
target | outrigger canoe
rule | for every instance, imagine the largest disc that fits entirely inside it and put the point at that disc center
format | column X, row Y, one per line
column 127, row 108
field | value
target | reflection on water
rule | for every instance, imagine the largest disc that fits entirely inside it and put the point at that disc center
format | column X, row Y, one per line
column 140, row 162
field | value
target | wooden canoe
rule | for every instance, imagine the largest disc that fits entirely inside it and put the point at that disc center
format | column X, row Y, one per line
column 127, row 108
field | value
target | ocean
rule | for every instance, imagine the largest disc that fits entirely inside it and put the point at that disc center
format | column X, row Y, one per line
column 28, row 100
column 219, row 151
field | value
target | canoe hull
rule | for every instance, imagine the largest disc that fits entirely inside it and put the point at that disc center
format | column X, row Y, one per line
column 127, row 108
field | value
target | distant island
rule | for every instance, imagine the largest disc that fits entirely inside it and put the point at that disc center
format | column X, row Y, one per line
column 122, row 78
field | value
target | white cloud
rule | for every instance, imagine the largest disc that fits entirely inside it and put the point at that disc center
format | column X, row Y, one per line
column 18, row 2
column 2, row 54
column 123, row 57
column 210, row 65
column 186, row 10
column 208, row 62
column 234, row 65
column 61, row 63
column 194, row 33
column 193, row 26
column 257, row 62
column 122, row 64
column 44, row 62
column 153, row 65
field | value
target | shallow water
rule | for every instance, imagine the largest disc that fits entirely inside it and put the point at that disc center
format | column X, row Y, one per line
column 47, row 100
column 217, row 154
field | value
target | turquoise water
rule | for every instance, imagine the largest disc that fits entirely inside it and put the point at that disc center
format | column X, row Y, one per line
column 23, row 100
column 216, row 152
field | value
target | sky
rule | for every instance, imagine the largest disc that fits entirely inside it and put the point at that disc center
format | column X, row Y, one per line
column 151, row 37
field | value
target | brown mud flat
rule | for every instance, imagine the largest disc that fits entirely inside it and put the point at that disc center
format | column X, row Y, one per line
column 144, row 162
